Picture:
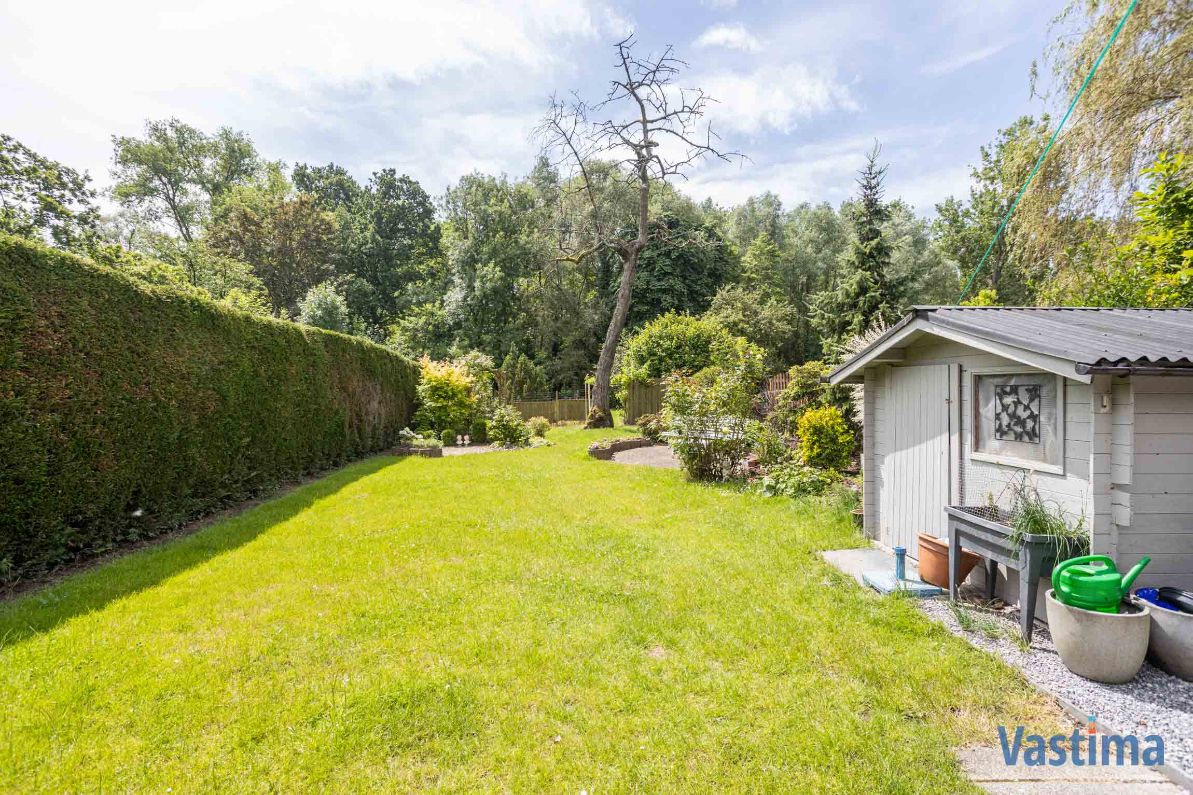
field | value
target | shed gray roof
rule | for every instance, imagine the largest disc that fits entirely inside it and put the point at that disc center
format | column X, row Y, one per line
column 1095, row 340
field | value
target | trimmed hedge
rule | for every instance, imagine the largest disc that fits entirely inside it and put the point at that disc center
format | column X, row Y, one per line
column 127, row 409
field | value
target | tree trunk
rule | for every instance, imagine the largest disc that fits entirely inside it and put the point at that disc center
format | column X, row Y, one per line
column 604, row 371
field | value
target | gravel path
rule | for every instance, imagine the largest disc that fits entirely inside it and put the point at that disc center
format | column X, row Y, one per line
column 1153, row 703
column 657, row 455
column 469, row 450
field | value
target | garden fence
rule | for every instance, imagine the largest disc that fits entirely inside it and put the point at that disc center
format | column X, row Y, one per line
column 642, row 398
column 559, row 407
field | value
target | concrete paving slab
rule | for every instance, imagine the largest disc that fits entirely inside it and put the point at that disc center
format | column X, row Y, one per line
column 856, row 562
column 985, row 766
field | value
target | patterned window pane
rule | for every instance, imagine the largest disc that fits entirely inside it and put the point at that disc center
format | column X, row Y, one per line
column 1016, row 417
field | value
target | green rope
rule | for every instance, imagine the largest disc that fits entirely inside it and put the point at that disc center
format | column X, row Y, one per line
column 1043, row 154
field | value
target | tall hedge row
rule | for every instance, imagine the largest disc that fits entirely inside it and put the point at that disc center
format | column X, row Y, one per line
column 127, row 409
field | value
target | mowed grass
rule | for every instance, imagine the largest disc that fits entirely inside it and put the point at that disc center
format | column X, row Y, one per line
column 532, row 621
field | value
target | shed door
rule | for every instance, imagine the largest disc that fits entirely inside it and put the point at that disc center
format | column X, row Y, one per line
column 915, row 480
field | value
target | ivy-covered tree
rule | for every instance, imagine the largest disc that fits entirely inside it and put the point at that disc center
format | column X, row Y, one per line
column 43, row 199
column 681, row 272
column 864, row 293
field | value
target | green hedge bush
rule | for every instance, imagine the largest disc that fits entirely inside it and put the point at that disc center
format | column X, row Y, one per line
column 126, row 409
column 825, row 440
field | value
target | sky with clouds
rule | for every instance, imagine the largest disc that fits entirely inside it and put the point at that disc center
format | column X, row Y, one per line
column 439, row 89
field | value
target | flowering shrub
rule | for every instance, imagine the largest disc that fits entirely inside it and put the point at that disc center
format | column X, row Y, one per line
column 539, row 426
column 825, row 441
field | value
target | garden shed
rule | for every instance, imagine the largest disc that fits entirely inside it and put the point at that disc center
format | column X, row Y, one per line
column 1094, row 407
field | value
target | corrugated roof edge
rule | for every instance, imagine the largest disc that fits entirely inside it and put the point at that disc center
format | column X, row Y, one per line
column 1142, row 366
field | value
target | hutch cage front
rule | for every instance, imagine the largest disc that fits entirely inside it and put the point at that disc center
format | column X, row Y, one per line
column 1015, row 438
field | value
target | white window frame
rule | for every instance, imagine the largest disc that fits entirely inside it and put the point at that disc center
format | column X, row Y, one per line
column 1014, row 461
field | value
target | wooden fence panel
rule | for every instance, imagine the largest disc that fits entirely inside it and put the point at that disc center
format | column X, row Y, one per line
column 642, row 398
column 561, row 410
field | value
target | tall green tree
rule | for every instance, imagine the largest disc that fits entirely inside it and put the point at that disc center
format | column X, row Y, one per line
column 492, row 245
column 680, row 272
column 176, row 173
column 1022, row 257
column 288, row 241
column 1155, row 267
column 864, row 293
column 43, row 199
column 389, row 236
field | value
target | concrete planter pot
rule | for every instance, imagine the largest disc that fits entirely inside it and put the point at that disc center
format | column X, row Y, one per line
column 1171, row 643
column 1104, row 647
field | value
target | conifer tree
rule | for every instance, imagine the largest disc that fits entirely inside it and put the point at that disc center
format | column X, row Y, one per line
column 863, row 294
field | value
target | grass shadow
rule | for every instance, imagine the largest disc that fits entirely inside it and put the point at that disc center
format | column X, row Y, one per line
column 89, row 590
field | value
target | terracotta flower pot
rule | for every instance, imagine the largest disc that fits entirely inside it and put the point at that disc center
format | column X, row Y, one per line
column 934, row 561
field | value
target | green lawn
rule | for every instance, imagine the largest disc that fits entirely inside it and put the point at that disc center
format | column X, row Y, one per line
column 533, row 621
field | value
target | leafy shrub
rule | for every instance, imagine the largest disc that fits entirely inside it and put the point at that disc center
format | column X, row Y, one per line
column 445, row 397
column 507, row 428
column 652, row 426
column 794, row 479
column 770, row 447
column 804, row 391
column 683, row 344
column 479, row 432
column 323, row 307
column 708, row 415
column 539, row 426
column 127, row 409
column 448, row 437
column 825, row 441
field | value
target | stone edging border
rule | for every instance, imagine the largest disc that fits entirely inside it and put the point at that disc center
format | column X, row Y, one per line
column 425, row 452
column 603, row 451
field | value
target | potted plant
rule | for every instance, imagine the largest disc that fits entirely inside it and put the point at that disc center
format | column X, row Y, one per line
column 1027, row 539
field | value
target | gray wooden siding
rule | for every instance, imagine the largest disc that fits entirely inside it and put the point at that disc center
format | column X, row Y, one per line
column 1159, row 498
column 1070, row 489
column 1128, row 471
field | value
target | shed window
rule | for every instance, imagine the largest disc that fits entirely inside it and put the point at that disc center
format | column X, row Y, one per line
column 1017, row 419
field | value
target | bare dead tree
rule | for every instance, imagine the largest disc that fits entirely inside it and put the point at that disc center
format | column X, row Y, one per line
column 653, row 130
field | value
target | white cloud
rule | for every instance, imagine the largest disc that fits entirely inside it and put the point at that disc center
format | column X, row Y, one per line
column 220, row 61
column 953, row 64
column 734, row 37
column 720, row 3
column 774, row 98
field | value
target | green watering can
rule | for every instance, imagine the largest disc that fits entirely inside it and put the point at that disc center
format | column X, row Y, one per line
column 1091, row 582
